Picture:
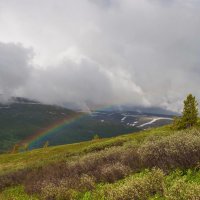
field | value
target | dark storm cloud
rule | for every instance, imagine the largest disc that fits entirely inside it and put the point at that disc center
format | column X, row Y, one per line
column 104, row 51
column 84, row 83
column 104, row 3
column 15, row 68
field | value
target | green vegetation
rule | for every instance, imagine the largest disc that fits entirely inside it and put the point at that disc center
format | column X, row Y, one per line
column 39, row 157
column 20, row 121
column 46, row 144
column 16, row 193
column 96, row 137
column 161, row 163
column 189, row 116
column 155, row 164
column 149, row 184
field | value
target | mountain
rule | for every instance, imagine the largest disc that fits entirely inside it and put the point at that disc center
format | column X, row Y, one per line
column 139, row 109
column 23, row 118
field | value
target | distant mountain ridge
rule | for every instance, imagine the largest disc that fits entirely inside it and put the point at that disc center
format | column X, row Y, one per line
column 20, row 118
column 23, row 100
column 137, row 109
column 140, row 110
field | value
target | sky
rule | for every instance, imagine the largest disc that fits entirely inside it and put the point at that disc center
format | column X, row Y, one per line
column 86, row 53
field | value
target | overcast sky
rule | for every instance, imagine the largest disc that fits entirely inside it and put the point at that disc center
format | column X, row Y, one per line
column 100, row 52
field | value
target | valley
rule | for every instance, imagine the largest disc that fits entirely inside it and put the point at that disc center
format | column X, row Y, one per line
column 22, row 119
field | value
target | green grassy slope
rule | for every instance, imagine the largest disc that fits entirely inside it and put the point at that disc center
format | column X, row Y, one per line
column 152, row 164
column 10, row 162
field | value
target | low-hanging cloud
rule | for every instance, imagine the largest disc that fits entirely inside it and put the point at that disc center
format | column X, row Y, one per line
column 15, row 69
column 84, row 83
column 143, row 52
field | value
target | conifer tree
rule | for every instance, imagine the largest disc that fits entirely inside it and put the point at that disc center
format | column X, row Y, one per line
column 96, row 137
column 46, row 144
column 190, row 112
column 26, row 147
column 189, row 116
column 15, row 148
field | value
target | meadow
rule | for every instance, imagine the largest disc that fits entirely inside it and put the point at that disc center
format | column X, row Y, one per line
column 159, row 163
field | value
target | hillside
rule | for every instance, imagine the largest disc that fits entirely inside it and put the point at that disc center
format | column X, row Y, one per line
column 20, row 119
column 153, row 164
column 23, row 118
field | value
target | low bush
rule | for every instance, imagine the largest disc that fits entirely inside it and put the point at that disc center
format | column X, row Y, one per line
column 181, row 150
column 138, row 188
column 113, row 172
column 104, row 144
column 109, row 165
column 52, row 191
column 13, row 179
column 183, row 190
column 153, row 184
column 84, row 172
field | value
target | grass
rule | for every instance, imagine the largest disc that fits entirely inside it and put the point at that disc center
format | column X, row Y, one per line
column 38, row 157
column 174, row 186
column 154, row 164
column 177, row 185
column 16, row 193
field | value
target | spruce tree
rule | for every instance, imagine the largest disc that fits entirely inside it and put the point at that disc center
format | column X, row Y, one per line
column 46, row 144
column 15, row 148
column 190, row 112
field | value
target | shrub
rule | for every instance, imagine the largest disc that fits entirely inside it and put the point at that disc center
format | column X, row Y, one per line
column 66, row 188
column 86, row 182
column 96, row 137
column 179, row 150
column 104, row 144
column 183, row 190
column 52, row 191
column 13, row 179
column 82, row 173
column 138, row 188
column 112, row 172
column 108, row 166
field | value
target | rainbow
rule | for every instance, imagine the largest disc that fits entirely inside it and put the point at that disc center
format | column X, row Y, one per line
column 55, row 127
column 50, row 130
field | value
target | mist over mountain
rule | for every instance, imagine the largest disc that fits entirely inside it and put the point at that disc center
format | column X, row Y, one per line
column 91, row 107
column 140, row 110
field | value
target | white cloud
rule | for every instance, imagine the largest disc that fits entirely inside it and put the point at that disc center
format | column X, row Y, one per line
column 15, row 68
column 105, row 52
